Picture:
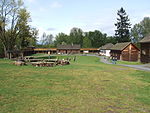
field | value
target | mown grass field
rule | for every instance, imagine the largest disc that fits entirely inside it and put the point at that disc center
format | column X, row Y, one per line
column 85, row 86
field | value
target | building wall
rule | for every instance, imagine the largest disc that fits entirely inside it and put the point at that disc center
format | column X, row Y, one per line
column 145, row 53
column 130, row 53
column 107, row 53
column 115, row 54
column 69, row 51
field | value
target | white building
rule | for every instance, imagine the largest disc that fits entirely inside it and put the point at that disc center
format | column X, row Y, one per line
column 105, row 50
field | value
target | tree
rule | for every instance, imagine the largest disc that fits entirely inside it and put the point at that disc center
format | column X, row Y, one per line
column 23, row 33
column 34, row 34
column 15, row 31
column 140, row 30
column 123, row 25
column 8, row 18
column 61, row 38
column 136, row 33
column 49, row 39
column 86, row 42
column 97, row 38
column 111, row 39
column 43, row 39
column 76, row 36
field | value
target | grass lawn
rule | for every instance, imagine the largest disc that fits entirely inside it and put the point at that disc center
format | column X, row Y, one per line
column 85, row 86
column 128, row 62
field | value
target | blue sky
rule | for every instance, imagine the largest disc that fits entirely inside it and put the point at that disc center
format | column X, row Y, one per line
column 55, row 16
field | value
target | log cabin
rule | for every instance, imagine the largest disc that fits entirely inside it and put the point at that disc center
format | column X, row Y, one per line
column 126, row 51
column 68, row 49
column 145, row 49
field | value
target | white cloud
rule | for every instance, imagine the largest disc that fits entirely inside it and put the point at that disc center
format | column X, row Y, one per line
column 55, row 5
column 146, row 15
column 51, row 29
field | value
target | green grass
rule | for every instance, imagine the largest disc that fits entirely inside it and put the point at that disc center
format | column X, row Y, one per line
column 85, row 86
column 128, row 63
column 39, row 54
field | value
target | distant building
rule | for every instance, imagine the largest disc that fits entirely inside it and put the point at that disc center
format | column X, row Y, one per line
column 20, row 53
column 145, row 49
column 46, row 50
column 125, row 51
column 68, row 49
column 89, row 50
column 105, row 50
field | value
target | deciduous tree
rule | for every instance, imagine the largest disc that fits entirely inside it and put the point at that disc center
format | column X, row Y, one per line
column 140, row 30
column 86, row 42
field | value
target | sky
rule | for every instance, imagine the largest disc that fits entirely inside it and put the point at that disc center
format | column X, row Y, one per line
column 56, row 16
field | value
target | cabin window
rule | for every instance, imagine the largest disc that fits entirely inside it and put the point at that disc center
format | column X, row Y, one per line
column 143, row 52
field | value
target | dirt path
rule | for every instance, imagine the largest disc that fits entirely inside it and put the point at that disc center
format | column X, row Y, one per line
column 145, row 67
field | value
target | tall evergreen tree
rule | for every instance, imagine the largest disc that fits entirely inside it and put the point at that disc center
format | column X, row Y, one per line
column 123, row 25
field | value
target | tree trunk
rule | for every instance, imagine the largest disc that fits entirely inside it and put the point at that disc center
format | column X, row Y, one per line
column 5, row 50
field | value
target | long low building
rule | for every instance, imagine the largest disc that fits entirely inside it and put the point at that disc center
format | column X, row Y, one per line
column 89, row 50
column 61, row 49
column 45, row 50
column 66, row 49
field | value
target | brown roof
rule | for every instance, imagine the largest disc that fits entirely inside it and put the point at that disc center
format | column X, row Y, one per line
column 145, row 39
column 120, row 46
column 73, row 46
column 106, row 46
column 45, row 49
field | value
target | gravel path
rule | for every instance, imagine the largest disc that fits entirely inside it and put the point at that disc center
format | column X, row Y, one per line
column 145, row 67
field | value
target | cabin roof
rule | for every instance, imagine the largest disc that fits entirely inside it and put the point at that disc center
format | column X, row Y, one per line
column 120, row 46
column 145, row 39
column 73, row 46
column 106, row 46
column 45, row 49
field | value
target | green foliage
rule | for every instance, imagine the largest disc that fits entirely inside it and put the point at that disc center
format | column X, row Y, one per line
column 47, row 40
column 61, row 38
column 86, row 42
column 76, row 36
column 23, row 36
column 15, row 31
column 140, row 30
column 97, row 38
column 122, row 33
column 93, row 39
column 111, row 39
